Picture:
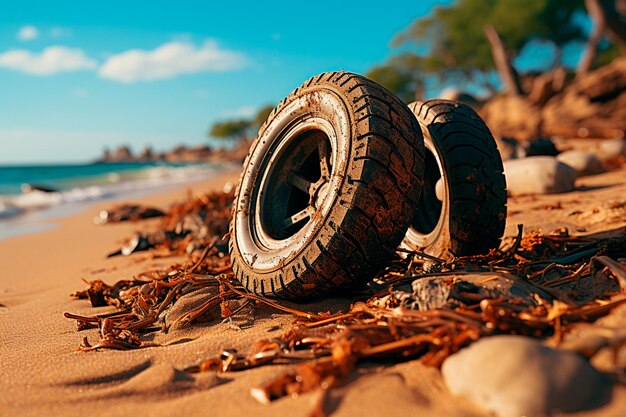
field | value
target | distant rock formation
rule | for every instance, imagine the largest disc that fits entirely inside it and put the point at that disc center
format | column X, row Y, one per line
column 180, row 153
column 121, row 154
column 147, row 154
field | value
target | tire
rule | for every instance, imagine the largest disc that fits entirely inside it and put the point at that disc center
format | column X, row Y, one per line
column 462, row 208
column 328, row 189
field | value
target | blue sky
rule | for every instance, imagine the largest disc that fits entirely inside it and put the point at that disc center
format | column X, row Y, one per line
column 78, row 76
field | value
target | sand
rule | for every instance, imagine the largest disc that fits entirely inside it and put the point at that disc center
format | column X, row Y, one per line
column 42, row 374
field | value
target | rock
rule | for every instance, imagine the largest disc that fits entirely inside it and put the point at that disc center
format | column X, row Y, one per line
column 537, row 147
column 611, row 148
column 447, row 291
column 513, row 149
column 603, row 342
column 121, row 154
column 147, row 154
column 516, row 376
column 183, row 153
column 538, row 175
column 440, row 191
column 584, row 163
column 455, row 94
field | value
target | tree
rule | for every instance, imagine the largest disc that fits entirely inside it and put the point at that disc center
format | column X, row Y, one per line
column 231, row 129
column 237, row 129
column 401, row 75
column 454, row 39
column 262, row 115
column 608, row 17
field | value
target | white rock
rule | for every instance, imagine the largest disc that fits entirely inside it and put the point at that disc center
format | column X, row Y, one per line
column 517, row 376
column 440, row 190
column 538, row 175
column 583, row 162
column 611, row 148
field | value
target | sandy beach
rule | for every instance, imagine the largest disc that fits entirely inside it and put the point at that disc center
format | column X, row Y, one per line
column 42, row 374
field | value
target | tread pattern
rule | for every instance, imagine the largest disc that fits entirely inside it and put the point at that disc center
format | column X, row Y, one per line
column 476, row 182
column 376, row 203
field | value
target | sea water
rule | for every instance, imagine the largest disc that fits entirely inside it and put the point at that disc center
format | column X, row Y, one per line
column 74, row 185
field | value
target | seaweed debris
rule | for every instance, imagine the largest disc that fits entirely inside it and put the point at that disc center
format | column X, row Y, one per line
column 419, row 307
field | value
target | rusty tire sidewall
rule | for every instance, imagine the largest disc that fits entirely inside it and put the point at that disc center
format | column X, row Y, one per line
column 268, row 255
column 473, row 214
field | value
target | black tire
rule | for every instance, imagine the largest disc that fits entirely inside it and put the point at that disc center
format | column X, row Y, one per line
column 297, row 232
column 469, row 215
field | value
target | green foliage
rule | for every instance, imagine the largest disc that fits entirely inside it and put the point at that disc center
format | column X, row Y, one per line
column 237, row 129
column 231, row 129
column 606, row 54
column 455, row 40
column 262, row 115
column 400, row 75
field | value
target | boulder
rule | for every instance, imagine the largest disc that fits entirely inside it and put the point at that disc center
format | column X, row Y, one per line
column 611, row 149
column 538, row 175
column 584, row 163
column 515, row 376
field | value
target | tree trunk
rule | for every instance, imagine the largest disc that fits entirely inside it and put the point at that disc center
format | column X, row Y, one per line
column 614, row 14
column 594, row 10
column 608, row 17
column 503, row 64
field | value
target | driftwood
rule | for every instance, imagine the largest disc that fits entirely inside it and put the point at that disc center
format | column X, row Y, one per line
column 592, row 105
column 503, row 63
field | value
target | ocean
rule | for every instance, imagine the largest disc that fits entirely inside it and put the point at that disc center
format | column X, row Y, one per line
column 69, row 187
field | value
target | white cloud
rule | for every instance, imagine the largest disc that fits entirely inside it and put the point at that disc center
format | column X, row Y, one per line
column 170, row 60
column 51, row 60
column 27, row 33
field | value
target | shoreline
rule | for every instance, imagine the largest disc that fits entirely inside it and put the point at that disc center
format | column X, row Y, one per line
column 39, row 219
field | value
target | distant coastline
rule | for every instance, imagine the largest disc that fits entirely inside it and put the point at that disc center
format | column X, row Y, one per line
column 179, row 154
column 25, row 208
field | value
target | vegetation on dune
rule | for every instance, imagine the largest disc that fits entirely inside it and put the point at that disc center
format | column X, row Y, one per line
column 477, row 42
column 457, row 47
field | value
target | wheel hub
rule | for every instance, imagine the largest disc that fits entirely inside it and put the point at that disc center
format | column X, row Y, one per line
column 317, row 197
column 296, row 183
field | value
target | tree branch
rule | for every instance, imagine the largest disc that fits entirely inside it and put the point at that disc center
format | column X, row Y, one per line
column 503, row 64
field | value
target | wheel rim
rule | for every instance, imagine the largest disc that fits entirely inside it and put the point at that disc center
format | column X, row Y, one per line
column 429, row 217
column 262, row 243
column 294, row 184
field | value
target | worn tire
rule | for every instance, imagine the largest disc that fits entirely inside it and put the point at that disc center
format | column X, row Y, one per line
column 469, row 215
column 356, row 215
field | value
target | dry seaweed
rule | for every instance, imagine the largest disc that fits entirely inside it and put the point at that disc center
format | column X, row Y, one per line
column 127, row 212
column 418, row 307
